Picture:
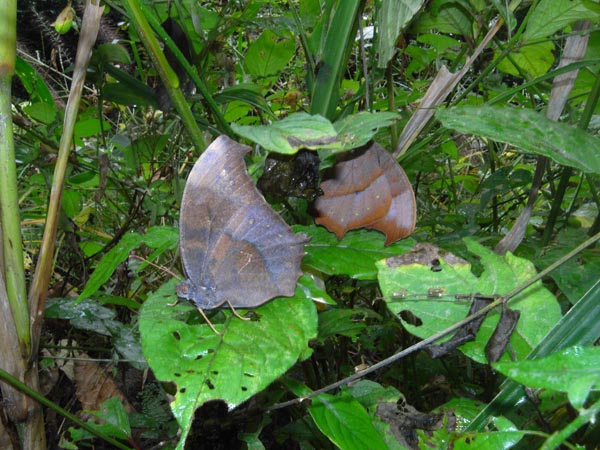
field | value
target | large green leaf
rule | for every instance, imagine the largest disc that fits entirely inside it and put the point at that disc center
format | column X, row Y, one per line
column 355, row 255
column 345, row 422
column 451, row 17
column 539, row 308
column 42, row 112
column 358, row 129
column 535, row 60
column 393, row 16
column 529, row 131
column 574, row 370
column 180, row 347
column 33, row 83
column 297, row 131
column 268, row 55
column 551, row 16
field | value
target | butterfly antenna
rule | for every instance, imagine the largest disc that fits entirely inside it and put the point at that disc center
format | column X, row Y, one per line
column 235, row 313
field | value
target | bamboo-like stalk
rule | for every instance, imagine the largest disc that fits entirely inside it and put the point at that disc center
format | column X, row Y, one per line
column 326, row 92
column 15, row 331
column 202, row 88
column 12, row 256
column 41, row 279
column 166, row 73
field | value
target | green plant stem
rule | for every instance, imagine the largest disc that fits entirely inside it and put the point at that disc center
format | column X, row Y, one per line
column 166, row 73
column 44, row 401
column 585, row 416
column 508, row 93
column 305, row 46
column 17, row 340
column 11, row 250
column 214, row 108
column 326, row 92
column 391, row 103
column 555, row 210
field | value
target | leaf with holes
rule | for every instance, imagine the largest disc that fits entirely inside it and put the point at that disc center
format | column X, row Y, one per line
column 249, row 355
column 406, row 286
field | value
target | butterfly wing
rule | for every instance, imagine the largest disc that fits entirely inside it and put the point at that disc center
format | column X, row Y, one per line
column 234, row 247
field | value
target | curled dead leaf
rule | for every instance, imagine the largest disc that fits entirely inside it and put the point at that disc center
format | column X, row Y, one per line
column 94, row 384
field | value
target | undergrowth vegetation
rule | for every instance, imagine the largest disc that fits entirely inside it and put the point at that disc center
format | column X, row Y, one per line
column 491, row 108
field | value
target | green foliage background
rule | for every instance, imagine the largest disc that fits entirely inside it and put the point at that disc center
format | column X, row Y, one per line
column 331, row 75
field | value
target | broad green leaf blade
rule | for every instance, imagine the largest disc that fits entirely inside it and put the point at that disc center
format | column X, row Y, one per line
column 313, row 288
column 160, row 238
column 504, row 436
column 539, row 309
column 453, row 18
column 86, row 315
column 535, row 60
column 233, row 367
column 370, row 395
column 124, row 95
column 358, row 129
column 345, row 422
column 355, row 255
column 529, row 131
column 110, row 54
column 574, row 370
column 268, row 55
column 491, row 440
column 299, row 130
column 249, row 94
column 91, row 316
column 43, row 112
column 34, row 84
column 392, row 18
column 114, row 419
column 551, row 16
column 579, row 326
column 339, row 39
column 128, row 90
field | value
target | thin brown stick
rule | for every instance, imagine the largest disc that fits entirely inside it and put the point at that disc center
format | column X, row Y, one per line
column 43, row 271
